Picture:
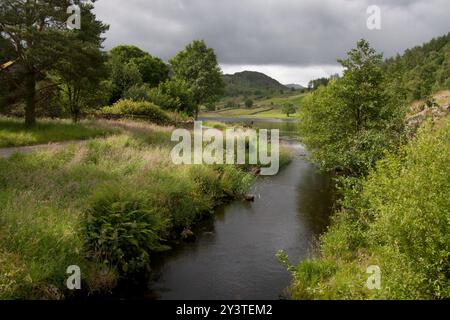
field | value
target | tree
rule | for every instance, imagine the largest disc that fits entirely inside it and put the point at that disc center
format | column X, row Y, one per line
column 36, row 31
column 173, row 95
column 248, row 103
column 152, row 69
column 350, row 123
column 123, row 77
column 197, row 66
column 316, row 83
column 180, row 91
column 83, row 66
column 289, row 109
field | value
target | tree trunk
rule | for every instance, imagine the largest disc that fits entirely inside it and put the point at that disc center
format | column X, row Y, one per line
column 30, row 99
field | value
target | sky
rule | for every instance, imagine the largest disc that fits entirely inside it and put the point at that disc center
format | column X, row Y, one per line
column 293, row 41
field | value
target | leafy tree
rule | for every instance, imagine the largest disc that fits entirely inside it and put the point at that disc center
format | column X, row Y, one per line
column 422, row 70
column 152, row 69
column 289, row 109
column 180, row 91
column 316, row 83
column 173, row 95
column 83, row 66
column 210, row 106
column 197, row 66
column 248, row 103
column 125, row 53
column 123, row 77
column 350, row 123
column 36, row 31
column 137, row 93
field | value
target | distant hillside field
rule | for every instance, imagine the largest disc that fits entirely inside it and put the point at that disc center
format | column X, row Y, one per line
column 263, row 108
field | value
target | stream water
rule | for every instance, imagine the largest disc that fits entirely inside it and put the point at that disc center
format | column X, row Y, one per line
column 234, row 255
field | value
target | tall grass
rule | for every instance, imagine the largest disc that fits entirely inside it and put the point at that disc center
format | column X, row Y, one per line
column 13, row 132
column 106, row 206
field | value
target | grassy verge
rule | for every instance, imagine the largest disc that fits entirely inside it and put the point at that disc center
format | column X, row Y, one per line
column 13, row 132
column 398, row 219
column 105, row 206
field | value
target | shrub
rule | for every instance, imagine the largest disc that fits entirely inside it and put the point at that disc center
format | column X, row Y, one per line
column 122, row 229
column 138, row 108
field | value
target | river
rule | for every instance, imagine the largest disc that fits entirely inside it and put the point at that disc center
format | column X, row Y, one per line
column 234, row 255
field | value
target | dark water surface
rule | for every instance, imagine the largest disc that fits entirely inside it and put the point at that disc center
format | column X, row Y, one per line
column 234, row 255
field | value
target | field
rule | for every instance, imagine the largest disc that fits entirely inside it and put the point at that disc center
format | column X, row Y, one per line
column 264, row 108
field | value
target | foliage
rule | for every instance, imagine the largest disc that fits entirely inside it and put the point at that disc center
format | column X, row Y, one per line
column 179, row 91
column 353, row 121
column 422, row 70
column 248, row 103
column 390, row 221
column 37, row 32
column 145, row 109
column 122, row 228
column 83, row 66
column 152, row 69
column 289, row 109
column 137, row 93
column 197, row 65
column 123, row 77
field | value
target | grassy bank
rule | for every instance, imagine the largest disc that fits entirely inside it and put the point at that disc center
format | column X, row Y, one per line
column 398, row 219
column 263, row 108
column 13, row 132
column 105, row 206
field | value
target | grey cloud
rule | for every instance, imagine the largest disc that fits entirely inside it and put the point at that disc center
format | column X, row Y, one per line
column 271, row 32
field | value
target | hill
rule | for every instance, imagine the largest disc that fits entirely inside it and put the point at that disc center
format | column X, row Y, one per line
column 249, row 83
column 294, row 86
column 422, row 70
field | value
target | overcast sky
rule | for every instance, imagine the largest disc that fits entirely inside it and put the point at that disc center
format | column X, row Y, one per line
column 293, row 41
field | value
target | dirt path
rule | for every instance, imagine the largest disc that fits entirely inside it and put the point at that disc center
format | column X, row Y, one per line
column 8, row 152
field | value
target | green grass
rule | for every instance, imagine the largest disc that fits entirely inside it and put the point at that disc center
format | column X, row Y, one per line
column 279, row 101
column 102, row 206
column 13, row 132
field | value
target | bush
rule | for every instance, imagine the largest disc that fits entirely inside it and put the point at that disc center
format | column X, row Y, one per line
column 396, row 218
column 122, row 228
column 148, row 110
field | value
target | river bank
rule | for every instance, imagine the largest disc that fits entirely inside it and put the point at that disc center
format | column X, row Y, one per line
column 234, row 256
column 57, row 203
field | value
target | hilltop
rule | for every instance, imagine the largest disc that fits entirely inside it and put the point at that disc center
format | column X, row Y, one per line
column 248, row 83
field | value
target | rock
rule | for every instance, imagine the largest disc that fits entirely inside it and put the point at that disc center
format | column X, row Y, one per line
column 250, row 198
column 255, row 171
column 188, row 235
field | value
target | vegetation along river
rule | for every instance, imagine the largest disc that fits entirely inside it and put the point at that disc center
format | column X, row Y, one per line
column 234, row 255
